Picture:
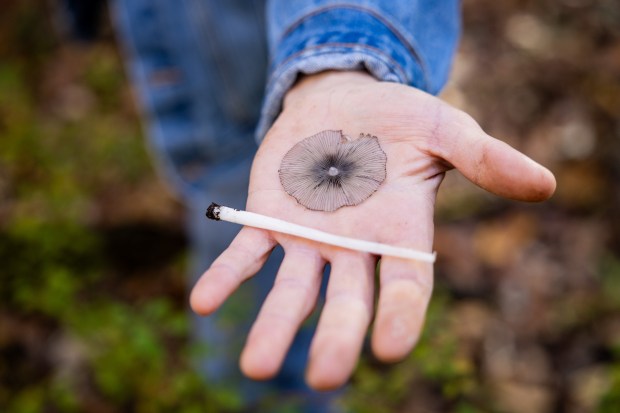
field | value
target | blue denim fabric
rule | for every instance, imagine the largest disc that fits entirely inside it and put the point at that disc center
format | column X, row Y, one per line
column 199, row 68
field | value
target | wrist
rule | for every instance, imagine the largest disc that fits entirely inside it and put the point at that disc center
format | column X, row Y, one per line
column 325, row 81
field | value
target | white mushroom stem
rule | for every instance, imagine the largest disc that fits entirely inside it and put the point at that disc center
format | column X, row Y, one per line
column 252, row 219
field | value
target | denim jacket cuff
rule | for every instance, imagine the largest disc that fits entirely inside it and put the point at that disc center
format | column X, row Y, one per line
column 356, row 39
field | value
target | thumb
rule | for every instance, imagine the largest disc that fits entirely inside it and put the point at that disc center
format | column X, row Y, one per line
column 490, row 163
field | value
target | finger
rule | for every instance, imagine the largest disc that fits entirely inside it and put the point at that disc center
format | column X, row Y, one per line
column 344, row 320
column 290, row 301
column 491, row 163
column 405, row 290
column 243, row 258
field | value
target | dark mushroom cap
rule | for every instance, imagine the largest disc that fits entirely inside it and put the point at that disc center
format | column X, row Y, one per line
column 329, row 170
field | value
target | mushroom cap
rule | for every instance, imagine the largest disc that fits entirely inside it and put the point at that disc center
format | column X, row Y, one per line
column 328, row 170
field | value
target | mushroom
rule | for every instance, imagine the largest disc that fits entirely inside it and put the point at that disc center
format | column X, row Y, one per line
column 329, row 170
column 252, row 219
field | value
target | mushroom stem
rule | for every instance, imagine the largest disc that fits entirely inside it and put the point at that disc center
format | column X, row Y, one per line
column 251, row 219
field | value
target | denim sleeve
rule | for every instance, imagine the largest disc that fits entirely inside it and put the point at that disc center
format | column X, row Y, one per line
column 405, row 41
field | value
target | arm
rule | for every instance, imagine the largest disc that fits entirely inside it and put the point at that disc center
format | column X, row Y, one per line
column 422, row 138
column 397, row 41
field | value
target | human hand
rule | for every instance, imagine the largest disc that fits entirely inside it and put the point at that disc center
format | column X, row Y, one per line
column 422, row 137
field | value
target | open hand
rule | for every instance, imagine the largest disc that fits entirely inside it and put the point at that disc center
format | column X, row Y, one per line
column 422, row 137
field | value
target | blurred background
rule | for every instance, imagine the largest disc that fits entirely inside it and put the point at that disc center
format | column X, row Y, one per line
column 526, row 314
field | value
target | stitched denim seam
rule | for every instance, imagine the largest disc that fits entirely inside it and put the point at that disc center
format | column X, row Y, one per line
column 319, row 50
column 403, row 40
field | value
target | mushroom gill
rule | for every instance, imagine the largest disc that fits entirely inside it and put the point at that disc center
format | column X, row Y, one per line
column 330, row 170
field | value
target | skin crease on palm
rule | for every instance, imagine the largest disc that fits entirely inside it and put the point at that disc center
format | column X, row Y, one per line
column 423, row 138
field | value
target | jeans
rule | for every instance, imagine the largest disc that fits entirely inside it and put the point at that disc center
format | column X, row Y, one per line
column 201, row 108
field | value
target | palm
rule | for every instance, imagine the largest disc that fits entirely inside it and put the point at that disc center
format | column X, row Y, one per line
column 422, row 138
